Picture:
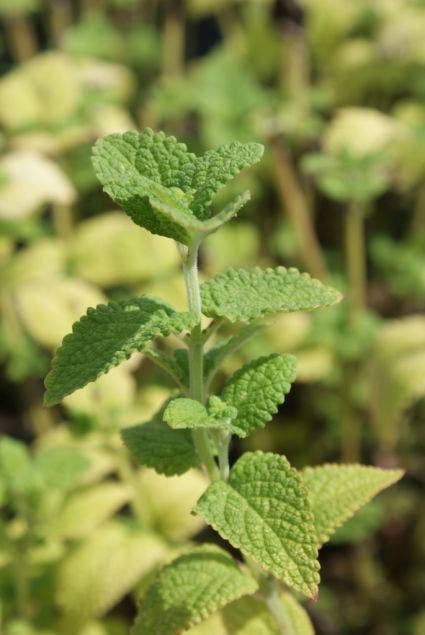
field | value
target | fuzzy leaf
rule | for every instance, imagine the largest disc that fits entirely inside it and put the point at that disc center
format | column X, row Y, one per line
column 103, row 569
column 190, row 589
column 336, row 492
column 156, row 445
column 106, row 336
column 240, row 295
column 188, row 413
column 256, row 390
column 264, row 511
column 136, row 170
column 219, row 166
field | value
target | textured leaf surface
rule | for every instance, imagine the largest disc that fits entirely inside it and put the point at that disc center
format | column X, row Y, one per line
column 188, row 413
column 156, row 445
column 106, row 336
column 190, row 589
column 257, row 389
column 165, row 188
column 102, row 569
column 263, row 510
column 336, row 492
column 219, row 166
column 240, row 295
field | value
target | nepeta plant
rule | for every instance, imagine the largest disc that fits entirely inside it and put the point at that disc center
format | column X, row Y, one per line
column 278, row 517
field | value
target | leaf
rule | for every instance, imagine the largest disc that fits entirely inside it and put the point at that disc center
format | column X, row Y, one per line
column 336, row 492
column 86, row 510
column 156, row 445
column 60, row 467
column 256, row 390
column 106, row 336
column 240, row 295
column 15, row 465
column 264, row 511
column 136, row 169
column 188, row 413
column 103, row 569
column 219, row 166
column 190, row 589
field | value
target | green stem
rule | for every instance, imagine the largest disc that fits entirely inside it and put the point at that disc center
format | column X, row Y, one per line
column 196, row 355
column 355, row 260
column 277, row 609
column 223, row 456
column 173, row 39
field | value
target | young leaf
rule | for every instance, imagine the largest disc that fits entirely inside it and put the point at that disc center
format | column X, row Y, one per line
column 336, row 492
column 136, row 169
column 264, row 511
column 219, row 166
column 156, row 445
column 105, row 337
column 242, row 296
column 190, row 589
column 256, row 390
column 188, row 413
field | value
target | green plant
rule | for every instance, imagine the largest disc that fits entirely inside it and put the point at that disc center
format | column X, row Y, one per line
column 277, row 516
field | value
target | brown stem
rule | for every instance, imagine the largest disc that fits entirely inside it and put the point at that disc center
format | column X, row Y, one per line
column 294, row 201
column 355, row 261
column 173, row 54
column 20, row 37
column 60, row 18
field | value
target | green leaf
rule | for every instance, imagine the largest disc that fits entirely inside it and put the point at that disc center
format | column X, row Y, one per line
column 219, row 166
column 103, row 569
column 156, row 445
column 136, row 169
column 105, row 337
column 188, row 413
column 190, row 589
column 240, row 295
column 60, row 467
column 336, row 492
column 264, row 511
column 16, row 470
column 256, row 390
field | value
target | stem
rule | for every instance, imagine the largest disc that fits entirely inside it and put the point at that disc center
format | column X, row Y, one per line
column 196, row 355
column 295, row 202
column 60, row 19
column 173, row 39
column 223, row 456
column 21, row 37
column 355, row 260
column 277, row 609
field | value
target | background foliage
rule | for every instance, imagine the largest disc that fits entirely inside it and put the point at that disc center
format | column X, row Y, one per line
column 336, row 93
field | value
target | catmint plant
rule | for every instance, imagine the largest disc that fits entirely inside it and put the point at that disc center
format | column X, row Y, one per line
column 277, row 516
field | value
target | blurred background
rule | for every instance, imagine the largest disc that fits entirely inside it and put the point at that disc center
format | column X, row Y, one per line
column 336, row 92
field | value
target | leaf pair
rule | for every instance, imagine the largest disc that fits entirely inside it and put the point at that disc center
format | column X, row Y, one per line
column 165, row 188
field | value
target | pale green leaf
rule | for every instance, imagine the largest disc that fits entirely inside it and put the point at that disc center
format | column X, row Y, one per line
column 257, row 389
column 240, row 295
column 156, row 445
column 188, row 413
column 219, row 166
column 106, row 336
column 103, row 569
column 336, row 492
column 189, row 589
column 84, row 511
column 263, row 510
column 60, row 467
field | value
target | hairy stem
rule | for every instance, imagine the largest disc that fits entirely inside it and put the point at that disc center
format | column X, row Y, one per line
column 196, row 355
column 276, row 608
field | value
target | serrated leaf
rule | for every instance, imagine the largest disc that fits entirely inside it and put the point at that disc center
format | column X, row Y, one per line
column 136, row 170
column 242, row 296
column 219, row 166
column 86, row 510
column 187, row 413
column 256, row 390
column 106, row 336
column 103, row 569
column 336, row 492
column 156, row 445
column 190, row 589
column 264, row 511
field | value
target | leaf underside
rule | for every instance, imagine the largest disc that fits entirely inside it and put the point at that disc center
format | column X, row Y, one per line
column 189, row 590
column 105, row 337
column 257, row 389
column 336, row 492
column 264, row 511
column 242, row 296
